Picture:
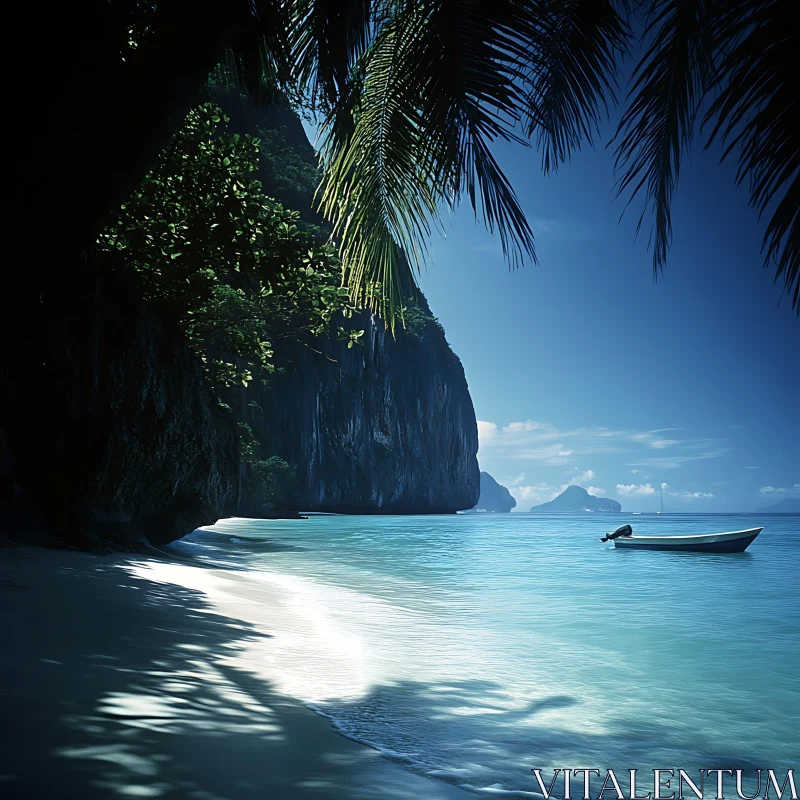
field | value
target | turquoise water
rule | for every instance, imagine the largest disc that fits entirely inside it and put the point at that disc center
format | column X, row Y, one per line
column 477, row 647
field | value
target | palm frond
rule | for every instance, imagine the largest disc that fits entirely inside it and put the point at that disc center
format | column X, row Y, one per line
column 435, row 88
column 669, row 84
column 573, row 75
column 468, row 63
column 327, row 38
column 256, row 60
column 757, row 112
column 375, row 190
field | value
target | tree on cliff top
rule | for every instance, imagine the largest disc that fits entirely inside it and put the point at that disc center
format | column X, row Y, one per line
column 412, row 96
column 208, row 251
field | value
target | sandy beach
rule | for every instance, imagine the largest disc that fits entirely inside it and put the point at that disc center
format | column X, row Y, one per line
column 117, row 684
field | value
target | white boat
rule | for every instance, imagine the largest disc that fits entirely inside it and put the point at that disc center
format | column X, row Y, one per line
column 729, row 542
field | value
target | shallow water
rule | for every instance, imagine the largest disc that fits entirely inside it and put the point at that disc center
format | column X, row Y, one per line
column 477, row 647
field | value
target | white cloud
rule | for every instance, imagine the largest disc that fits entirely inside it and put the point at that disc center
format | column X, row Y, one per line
column 664, row 485
column 543, row 442
column 596, row 491
column 580, row 478
column 528, row 425
column 691, row 495
column 486, row 432
column 630, row 489
column 792, row 491
column 518, row 481
column 527, row 496
column 697, row 450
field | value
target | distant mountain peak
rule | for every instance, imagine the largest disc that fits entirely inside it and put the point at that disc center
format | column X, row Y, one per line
column 575, row 490
column 494, row 496
column 577, row 499
column 789, row 505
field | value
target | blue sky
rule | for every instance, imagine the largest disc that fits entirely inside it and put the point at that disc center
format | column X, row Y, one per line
column 583, row 370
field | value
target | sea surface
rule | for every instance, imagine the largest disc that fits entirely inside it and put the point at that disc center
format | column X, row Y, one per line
column 476, row 647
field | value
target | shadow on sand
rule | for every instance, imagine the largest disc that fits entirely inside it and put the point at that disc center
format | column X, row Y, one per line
column 118, row 686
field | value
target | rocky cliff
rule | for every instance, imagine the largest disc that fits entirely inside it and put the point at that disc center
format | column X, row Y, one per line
column 112, row 436
column 577, row 499
column 385, row 427
column 494, row 496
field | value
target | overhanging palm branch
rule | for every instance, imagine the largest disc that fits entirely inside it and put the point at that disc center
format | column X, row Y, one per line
column 376, row 190
column 257, row 56
column 573, row 75
column 416, row 93
column 757, row 111
column 327, row 37
column 745, row 56
column 656, row 128
column 438, row 85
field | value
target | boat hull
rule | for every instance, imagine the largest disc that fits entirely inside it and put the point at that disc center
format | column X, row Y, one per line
column 733, row 542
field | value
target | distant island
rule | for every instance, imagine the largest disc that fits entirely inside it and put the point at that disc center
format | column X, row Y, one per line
column 789, row 505
column 576, row 499
column 494, row 497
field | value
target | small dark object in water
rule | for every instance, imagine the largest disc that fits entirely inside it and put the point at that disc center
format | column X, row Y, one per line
column 625, row 530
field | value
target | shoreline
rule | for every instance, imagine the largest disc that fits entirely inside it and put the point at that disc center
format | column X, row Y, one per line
column 118, row 684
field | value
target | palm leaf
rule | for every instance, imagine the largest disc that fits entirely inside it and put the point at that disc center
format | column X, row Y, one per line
column 467, row 62
column 435, row 88
column 327, row 38
column 256, row 60
column 375, row 190
column 656, row 128
column 573, row 74
column 757, row 111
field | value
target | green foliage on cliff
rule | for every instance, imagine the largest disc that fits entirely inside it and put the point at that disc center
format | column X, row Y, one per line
column 271, row 478
column 416, row 320
column 289, row 173
column 278, row 479
column 208, row 250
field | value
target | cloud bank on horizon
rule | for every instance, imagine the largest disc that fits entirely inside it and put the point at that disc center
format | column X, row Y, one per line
column 630, row 457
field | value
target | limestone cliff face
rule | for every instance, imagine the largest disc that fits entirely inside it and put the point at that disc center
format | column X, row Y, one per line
column 110, row 434
column 383, row 427
column 386, row 427
column 113, row 435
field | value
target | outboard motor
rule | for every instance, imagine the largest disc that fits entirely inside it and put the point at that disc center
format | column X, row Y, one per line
column 625, row 530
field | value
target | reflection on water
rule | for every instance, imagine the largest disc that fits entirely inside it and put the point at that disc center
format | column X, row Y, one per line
column 477, row 647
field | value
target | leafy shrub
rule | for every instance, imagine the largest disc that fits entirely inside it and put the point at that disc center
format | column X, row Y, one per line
column 208, row 250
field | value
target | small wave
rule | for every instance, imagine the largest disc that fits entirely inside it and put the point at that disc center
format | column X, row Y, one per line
column 455, row 777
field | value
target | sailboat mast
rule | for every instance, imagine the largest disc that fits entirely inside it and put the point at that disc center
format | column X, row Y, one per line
column 662, row 499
